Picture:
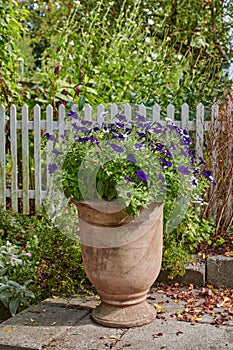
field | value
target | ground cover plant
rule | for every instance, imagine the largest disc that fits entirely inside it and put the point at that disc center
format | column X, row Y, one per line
column 39, row 253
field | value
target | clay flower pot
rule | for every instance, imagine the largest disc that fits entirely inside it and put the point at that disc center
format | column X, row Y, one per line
column 122, row 258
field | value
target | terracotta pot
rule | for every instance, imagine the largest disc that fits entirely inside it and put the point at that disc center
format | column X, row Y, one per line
column 122, row 258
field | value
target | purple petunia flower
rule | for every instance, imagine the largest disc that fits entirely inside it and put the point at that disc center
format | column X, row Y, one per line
column 121, row 117
column 75, row 126
column 166, row 162
column 129, row 179
column 49, row 136
column 207, row 174
column 193, row 181
column 52, row 168
column 73, row 115
column 120, row 125
column 117, row 148
column 202, row 162
column 131, row 158
column 141, row 134
column 169, row 154
column 161, row 178
column 138, row 146
column 141, row 175
column 184, row 153
column 118, row 137
column 172, row 145
column 184, row 170
column 140, row 118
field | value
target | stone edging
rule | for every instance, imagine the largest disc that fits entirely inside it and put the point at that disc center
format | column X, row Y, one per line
column 216, row 270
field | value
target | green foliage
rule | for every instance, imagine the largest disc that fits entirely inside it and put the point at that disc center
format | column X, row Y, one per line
column 131, row 162
column 11, row 28
column 144, row 51
column 55, row 264
column 182, row 243
column 12, row 294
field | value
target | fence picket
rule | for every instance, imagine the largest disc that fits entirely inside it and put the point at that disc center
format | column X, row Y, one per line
column 185, row 116
column 114, row 110
column 61, row 122
column 100, row 113
column 25, row 160
column 88, row 112
column 128, row 111
column 14, row 160
column 37, row 157
column 2, row 159
column 170, row 111
column 142, row 110
column 37, row 125
column 199, row 130
column 156, row 113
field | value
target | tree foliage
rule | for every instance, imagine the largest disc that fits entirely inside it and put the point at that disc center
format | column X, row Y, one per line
column 12, row 18
column 166, row 51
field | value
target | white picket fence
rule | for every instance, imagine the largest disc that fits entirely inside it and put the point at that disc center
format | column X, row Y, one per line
column 19, row 122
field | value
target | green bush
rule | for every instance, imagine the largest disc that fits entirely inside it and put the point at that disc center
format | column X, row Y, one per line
column 55, row 264
column 181, row 244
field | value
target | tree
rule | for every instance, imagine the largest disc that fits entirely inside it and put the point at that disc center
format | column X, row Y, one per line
column 165, row 51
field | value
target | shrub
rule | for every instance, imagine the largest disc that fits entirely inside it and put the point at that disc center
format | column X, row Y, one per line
column 55, row 264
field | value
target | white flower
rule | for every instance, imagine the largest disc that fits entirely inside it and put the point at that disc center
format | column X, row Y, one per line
column 150, row 21
column 154, row 55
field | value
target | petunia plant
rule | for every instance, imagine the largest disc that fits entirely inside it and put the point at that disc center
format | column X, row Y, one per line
column 127, row 162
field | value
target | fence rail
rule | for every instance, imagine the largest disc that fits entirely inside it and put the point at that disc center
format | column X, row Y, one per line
column 18, row 128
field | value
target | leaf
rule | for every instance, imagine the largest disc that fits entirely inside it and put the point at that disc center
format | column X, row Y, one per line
column 8, row 330
column 158, row 308
column 91, row 90
column 113, row 337
column 14, row 284
column 13, row 306
column 157, row 335
column 3, row 271
column 81, row 103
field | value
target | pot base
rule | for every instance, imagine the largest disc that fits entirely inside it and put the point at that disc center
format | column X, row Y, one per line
column 124, row 316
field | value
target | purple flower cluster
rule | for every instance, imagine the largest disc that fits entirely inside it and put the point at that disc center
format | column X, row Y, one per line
column 143, row 135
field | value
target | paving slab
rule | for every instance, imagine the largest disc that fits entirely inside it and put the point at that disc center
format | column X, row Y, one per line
column 173, row 335
column 66, row 324
column 38, row 325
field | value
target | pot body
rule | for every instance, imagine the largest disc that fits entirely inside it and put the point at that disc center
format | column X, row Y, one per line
column 122, row 271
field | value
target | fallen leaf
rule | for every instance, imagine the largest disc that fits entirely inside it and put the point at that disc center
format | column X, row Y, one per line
column 8, row 330
column 179, row 332
column 114, row 337
column 196, row 318
column 157, row 335
column 158, row 308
